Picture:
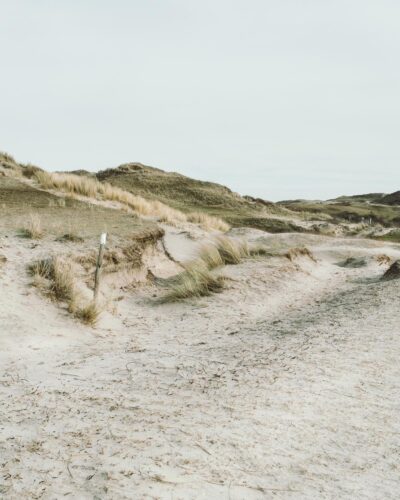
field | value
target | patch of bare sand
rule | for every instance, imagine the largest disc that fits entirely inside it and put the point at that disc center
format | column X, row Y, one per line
column 284, row 386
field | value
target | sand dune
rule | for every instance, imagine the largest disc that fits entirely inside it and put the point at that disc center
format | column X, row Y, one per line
column 284, row 386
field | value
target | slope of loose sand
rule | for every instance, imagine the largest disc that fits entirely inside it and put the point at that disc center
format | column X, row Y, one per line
column 284, row 386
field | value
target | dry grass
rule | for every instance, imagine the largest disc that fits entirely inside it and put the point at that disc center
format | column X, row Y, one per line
column 197, row 280
column 210, row 256
column 63, row 280
column 208, row 222
column 194, row 282
column 41, row 268
column 59, row 275
column 92, row 188
column 383, row 259
column 53, row 276
column 56, row 278
column 89, row 314
column 222, row 251
column 33, row 229
column 77, row 185
column 30, row 170
column 231, row 251
column 294, row 253
column 6, row 157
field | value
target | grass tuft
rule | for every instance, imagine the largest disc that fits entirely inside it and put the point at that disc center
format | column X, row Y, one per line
column 59, row 275
column 33, row 228
column 294, row 253
column 63, row 281
column 231, row 251
column 197, row 280
column 194, row 282
column 210, row 256
column 89, row 314
column 56, row 278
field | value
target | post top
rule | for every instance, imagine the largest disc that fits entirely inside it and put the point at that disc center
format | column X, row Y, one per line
column 103, row 238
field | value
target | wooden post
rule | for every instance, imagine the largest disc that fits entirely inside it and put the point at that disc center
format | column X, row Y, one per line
column 103, row 239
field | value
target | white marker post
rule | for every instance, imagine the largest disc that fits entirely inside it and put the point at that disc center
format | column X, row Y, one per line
column 103, row 240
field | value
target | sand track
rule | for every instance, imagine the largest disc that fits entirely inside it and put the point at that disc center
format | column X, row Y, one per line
column 285, row 386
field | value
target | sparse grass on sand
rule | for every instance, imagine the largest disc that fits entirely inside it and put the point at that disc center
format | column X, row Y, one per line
column 208, row 222
column 59, row 275
column 89, row 314
column 223, row 251
column 92, row 188
column 33, row 228
column 210, row 256
column 261, row 251
column 71, row 236
column 197, row 280
column 56, row 278
column 294, row 253
column 232, row 251
column 194, row 282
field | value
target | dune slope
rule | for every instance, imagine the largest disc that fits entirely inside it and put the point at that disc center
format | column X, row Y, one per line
column 286, row 385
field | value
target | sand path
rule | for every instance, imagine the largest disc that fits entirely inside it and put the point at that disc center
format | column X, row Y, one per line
column 286, row 385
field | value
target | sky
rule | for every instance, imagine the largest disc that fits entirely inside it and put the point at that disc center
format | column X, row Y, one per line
column 278, row 99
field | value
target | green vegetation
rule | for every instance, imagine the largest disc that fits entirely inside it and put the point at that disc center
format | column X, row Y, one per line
column 191, row 195
column 393, row 236
column 349, row 211
column 196, row 281
column 174, row 199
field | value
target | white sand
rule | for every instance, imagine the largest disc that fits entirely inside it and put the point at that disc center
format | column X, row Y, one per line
column 286, row 385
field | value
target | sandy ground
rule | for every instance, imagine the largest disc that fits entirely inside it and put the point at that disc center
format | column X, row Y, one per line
column 287, row 385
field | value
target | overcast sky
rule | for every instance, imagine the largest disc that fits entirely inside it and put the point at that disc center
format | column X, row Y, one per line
column 274, row 98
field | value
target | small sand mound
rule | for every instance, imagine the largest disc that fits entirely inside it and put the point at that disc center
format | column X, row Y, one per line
column 353, row 262
column 393, row 272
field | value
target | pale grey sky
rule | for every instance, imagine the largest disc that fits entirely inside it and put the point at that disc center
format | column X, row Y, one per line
column 274, row 98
